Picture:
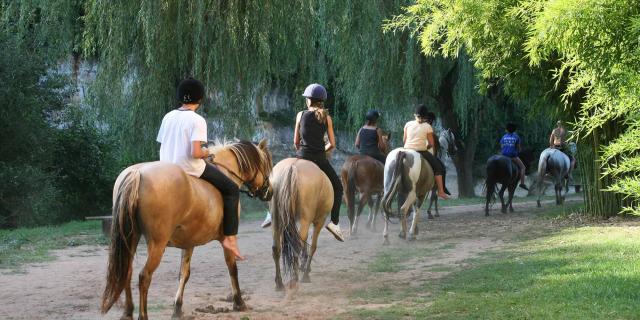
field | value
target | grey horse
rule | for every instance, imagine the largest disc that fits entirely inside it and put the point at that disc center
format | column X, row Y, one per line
column 556, row 164
column 446, row 148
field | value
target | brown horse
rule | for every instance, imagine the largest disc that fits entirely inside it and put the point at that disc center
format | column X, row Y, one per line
column 364, row 175
column 303, row 193
column 159, row 201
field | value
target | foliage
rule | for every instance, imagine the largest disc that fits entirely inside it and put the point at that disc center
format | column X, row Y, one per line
column 578, row 53
column 53, row 166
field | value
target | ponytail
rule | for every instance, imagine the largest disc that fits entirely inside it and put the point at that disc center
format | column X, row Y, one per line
column 320, row 112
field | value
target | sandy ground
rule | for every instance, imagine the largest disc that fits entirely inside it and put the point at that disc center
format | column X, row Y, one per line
column 70, row 287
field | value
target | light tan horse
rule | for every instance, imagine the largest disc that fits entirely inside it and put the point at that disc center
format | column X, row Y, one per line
column 159, row 201
column 363, row 175
column 303, row 193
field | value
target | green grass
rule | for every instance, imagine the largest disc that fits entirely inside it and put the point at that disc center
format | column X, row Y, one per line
column 28, row 245
column 591, row 272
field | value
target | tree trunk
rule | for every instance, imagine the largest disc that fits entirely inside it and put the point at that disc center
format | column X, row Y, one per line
column 463, row 160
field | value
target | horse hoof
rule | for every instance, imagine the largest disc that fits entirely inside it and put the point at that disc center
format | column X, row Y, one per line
column 279, row 287
column 429, row 216
column 240, row 306
column 306, row 279
column 411, row 238
column 486, row 214
column 437, row 215
column 402, row 235
column 510, row 209
column 503, row 210
column 539, row 205
column 126, row 317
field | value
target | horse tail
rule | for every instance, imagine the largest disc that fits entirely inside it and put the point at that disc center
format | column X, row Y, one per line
column 351, row 189
column 395, row 180
column 283, row 212
column 542, row 170
column 124, row 237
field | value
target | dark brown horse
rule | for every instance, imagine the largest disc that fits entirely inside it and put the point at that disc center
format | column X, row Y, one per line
column 364, row 175
column 159, row 201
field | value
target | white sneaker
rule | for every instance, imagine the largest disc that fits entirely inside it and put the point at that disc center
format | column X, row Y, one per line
column 335, row 230
column 267, row 221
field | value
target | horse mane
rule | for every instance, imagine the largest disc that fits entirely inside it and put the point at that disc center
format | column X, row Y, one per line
column 249, row 157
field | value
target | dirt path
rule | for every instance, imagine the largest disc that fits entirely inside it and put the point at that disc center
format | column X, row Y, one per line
column 70, row 287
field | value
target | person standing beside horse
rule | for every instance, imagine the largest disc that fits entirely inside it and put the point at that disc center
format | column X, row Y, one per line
column 369, row 139
column 182, row 135
column 308, row 139
column 510, row 144
column 418, row 136
column 558, row 140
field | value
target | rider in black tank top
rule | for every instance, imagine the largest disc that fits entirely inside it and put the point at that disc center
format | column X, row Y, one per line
column 311, row 136
column 368, row 138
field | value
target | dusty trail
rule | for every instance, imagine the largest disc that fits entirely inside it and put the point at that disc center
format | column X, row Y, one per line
column 70, row 287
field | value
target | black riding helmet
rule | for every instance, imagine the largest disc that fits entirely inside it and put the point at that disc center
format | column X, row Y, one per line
column 421, row 111
column 190, row 90
column 431, row 117
column 511, row 127
column 372, row 115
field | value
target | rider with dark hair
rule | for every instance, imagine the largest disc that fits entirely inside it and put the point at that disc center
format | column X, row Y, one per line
column 511, row 145
column 182, row 135
column 308, row 138
column 369, row 138
column 418, row 136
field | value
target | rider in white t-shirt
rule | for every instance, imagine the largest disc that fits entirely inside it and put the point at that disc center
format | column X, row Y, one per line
column 182, row 135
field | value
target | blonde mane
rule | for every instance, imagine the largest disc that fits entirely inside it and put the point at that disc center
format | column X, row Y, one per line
column 250, row 157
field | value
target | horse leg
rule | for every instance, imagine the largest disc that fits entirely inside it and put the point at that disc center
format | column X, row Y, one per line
column 314, row 244
column 276, row 251
column 501, row 194
column 185, row 271
column 432, row 199
column 304, row 234
column 413, row 232
column 512, row 190
column 128, row 303
column 408, row 203
column 230, row 259
column 385, row 230
column 435, row 202
column 374, row 213
column 364, row 198
column 155, row 250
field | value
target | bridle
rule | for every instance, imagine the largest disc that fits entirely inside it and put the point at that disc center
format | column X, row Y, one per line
column 261, row 192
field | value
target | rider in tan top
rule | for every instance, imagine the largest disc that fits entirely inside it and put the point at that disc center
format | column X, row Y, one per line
column 558, row 140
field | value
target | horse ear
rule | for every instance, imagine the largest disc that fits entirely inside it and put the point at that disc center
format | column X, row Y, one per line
column 262, row 144
column 389, row 136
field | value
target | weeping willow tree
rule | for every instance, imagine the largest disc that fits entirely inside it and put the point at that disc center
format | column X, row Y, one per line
column 579, row 56
column 241, row 50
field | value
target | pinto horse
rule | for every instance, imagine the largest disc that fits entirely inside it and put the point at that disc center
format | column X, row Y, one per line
column 159, row 201
column 362, row 174
column 555, row 163
column 446, row 147
column 409, row 176
column 302, row 193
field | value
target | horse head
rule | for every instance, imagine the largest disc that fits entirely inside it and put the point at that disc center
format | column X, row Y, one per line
column 447, row 142
column 384, row 146
column 254, row 165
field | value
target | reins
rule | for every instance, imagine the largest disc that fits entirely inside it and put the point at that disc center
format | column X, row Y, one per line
column 246, row 183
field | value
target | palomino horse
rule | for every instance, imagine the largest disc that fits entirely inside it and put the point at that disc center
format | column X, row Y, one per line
column 303, row 193
column 555, row 163
column 159, row 201
column 364, row 175
column 407, row 174
column 446, row 146
column 501, row 169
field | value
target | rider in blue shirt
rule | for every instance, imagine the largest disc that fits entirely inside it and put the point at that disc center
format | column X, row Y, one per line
column 510, row 144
